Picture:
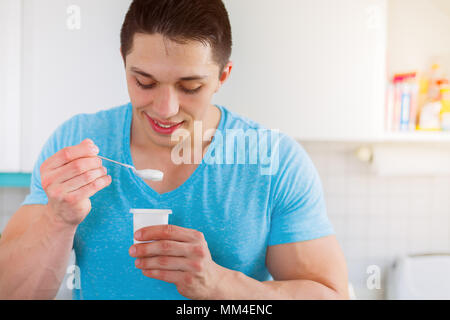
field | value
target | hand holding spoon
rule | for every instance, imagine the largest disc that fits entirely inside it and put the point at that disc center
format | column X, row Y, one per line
column 146, row 174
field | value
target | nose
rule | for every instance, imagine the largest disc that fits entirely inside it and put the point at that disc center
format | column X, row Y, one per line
column 166, row 103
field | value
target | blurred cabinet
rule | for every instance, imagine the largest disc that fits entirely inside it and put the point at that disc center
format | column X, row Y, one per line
column 10, row 75
column 315, row 69
column 71, row 64
column 416, row 36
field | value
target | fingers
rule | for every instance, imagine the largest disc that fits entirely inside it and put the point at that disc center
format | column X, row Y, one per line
column 168, row 263
column 73, row 169
column 84, row 179
column 90, row 189
column 169, row 276
column 168, row 232
column 86, row 148
column 162, row 247
column 70, row 177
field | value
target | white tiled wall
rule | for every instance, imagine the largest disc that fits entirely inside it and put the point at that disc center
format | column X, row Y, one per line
column 376, row 218
column 380, row 218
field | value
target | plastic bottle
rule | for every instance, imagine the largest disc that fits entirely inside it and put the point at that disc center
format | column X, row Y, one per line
column 430, row 112
column 445, row 110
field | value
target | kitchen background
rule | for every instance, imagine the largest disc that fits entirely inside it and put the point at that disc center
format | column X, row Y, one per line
column 387, row 191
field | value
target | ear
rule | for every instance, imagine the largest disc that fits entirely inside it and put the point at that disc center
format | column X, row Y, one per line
column 225, row 74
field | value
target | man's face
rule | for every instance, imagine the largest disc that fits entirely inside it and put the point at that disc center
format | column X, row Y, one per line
column 170, row 85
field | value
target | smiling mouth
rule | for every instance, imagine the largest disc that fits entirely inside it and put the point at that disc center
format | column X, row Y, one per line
column 163, row 127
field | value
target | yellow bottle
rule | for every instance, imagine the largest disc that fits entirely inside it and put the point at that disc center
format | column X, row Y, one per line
column 445, row 110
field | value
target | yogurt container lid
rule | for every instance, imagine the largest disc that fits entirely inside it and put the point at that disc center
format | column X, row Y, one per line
column 152, row 211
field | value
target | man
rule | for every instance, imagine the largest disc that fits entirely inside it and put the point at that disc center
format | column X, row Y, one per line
column 236, row 232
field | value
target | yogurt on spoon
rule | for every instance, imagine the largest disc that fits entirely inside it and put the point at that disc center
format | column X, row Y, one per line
column 146, row 174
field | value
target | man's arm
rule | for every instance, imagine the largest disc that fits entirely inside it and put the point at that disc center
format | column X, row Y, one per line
column 37, row 242
column 34, row 251
column 314, row 269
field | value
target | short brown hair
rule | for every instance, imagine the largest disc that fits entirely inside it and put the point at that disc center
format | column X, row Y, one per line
column 205, row 21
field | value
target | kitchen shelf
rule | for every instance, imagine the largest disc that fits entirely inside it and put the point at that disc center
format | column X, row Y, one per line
column 15, row 180
column 417, row 136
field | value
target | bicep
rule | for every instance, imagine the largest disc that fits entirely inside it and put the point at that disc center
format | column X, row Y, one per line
column 320, row 260
column 21, row 221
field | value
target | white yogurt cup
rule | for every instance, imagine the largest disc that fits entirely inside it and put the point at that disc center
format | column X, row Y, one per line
column 148, row 217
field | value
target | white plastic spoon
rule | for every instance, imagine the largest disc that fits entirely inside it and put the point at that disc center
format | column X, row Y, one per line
column 146, row 174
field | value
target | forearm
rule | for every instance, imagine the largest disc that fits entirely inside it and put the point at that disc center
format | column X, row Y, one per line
column 237, row 286
column 33, row 265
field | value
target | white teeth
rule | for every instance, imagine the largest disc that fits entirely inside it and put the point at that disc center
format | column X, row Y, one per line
column 162, row 125
column 165, row 126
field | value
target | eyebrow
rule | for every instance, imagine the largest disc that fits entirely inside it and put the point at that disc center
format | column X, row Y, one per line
column 147, row 75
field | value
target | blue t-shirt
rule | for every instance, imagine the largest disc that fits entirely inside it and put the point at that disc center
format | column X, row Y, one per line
column 242, row 206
